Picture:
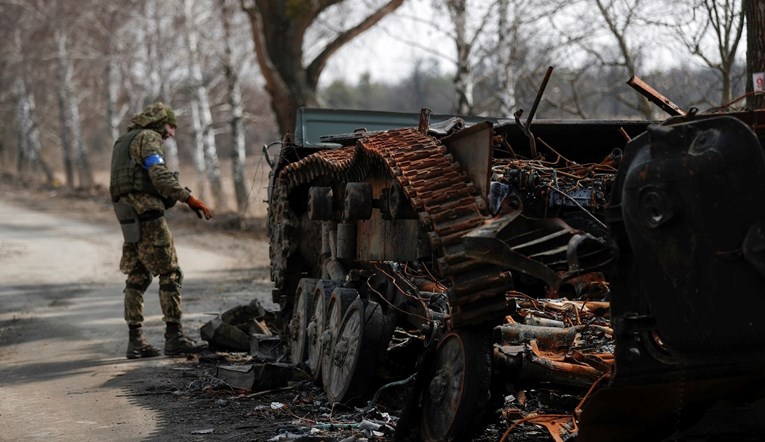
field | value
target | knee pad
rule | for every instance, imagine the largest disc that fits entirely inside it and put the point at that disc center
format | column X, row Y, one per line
column 138, row 282
column 171, row 282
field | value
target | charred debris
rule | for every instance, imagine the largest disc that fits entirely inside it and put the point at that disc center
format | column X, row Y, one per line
column 573, row 280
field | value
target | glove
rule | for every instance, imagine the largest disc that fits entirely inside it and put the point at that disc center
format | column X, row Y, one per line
column 199, row 207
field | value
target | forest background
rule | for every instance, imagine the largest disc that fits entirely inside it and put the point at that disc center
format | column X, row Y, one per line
column 72, row 73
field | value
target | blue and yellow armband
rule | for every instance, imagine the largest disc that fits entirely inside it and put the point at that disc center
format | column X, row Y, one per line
column 153, row 160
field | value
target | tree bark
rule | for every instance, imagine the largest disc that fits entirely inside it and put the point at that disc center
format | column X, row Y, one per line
column 29, row 135
column 199, row 151
column 71, row 113
column 205, row 115
column 278, row 31
column 620, row 35
column 754, row 10
column 238, row 156
column 728, row 24
column 66, row 143
column 158, row 75
column 506, row 91
column 112, row 90
column 463, row 79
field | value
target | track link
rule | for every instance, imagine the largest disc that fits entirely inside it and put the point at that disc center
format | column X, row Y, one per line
column 447, row 203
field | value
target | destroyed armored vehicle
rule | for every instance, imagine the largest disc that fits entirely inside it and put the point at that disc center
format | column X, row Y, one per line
column 613, row 268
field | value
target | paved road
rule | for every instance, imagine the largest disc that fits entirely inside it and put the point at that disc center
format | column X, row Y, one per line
column 63, row 373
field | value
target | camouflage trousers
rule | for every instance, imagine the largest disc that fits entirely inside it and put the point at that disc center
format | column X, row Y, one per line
column 154, row 254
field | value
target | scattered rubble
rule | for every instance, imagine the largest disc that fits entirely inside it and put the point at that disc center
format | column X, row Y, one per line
column 572, row 349
column 530, row 285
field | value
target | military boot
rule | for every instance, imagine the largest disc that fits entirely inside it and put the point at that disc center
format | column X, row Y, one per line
column 138, row 346
column 176, row 343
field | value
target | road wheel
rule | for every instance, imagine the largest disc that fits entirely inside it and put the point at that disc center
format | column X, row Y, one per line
column 457, row 389
column 356, row 351
column 316, row 325
column 301, row 313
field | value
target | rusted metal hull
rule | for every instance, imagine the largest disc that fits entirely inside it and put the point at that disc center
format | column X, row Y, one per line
column 599, row 256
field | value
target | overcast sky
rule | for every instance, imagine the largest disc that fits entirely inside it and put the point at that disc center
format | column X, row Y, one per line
column 388, row 51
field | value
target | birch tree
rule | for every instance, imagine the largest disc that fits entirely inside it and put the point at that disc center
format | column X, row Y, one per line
column 513, row 55
column 491, row 43
column 505, row 34
column 463, row 78
column 161, row 18
column 199, row 151
column 69, row 104
column 65, row 14
column 202, row 99
column 606, row 31
column 236, row 123
column 108, row 21
column 29, row 148
column 723, row 20
column 29, row 134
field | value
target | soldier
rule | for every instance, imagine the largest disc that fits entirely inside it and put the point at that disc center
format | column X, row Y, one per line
column 142, row 188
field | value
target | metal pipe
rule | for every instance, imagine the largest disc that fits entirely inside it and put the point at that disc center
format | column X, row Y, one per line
column 655, row 96
column 539, row 95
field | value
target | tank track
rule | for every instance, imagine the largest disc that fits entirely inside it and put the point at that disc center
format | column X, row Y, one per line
column 447, row 203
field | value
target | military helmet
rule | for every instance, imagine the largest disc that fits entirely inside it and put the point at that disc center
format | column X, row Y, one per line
column 171, row 117
column 154, row 116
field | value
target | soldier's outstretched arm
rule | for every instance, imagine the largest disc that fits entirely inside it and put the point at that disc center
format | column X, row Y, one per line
column 151, row 154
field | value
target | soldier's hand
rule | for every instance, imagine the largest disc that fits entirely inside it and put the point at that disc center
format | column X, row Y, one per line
column 199, row 207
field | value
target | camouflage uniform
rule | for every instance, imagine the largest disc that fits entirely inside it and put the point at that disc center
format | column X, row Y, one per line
column 154, row 253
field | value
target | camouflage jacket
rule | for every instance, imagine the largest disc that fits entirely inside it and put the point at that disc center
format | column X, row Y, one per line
column 149, row 144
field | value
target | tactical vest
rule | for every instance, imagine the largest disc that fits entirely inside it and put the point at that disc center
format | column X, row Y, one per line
column 128, row 175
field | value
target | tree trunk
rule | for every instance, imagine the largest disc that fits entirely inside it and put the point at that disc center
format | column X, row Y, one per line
column 199, row 151
column 205, row 115
column 620, row 35
column 157, row 73
column 83, row 161
column 29, row 135
column 235, row 102
column 506, row 90
column 463, row 80
column 71, row 113
column 112, row 90
column 755, row 49
column 66, row 143
column 278, row 30
column 23, row 124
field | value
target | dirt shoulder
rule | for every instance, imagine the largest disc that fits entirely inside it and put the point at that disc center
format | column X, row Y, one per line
column 184, row 396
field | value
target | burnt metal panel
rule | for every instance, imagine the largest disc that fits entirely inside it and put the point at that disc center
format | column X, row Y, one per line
column 690, row 195
column 472, row 148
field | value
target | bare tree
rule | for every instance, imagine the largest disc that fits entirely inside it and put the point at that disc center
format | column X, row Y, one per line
column 755, row 49
column 278, row 30
column 590, row 23
column 107, row 22
column 71, row 112
column 199, row 150
column 29, row 148
column 236, row 123
column 202, row 99
column 725, row 20
column 159, row 76
column 515, row 57
column 96, row 63
column 463, row 78
column 506, row 33
column 29, row 134
column 68, row 94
